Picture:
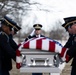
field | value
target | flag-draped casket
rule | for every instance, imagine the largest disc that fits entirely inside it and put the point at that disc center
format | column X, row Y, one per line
column 41, row 43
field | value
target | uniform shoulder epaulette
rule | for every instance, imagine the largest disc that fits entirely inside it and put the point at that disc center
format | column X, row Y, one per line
column 2, row 33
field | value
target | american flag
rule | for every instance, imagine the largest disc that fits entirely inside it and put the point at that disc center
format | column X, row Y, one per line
column 44, row 44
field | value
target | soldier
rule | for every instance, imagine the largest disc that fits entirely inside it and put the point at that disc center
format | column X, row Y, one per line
column 7, row 50
column 71, row 35
column 36, row 33
column 70, row 26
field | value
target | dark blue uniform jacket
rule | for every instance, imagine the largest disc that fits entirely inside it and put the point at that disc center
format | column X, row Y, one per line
column 29, row 37
column 71, row 44
column 7, row 51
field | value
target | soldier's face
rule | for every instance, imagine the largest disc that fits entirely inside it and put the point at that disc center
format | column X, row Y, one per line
column 73, row 27
column 6, row 29
column 37, row 32
column 70, row 30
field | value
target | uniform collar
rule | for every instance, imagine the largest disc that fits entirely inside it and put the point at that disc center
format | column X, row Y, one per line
column 38, row 35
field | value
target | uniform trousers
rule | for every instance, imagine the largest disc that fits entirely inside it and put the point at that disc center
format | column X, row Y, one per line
column 4, row 72
column 36, row 73
column 73, row 70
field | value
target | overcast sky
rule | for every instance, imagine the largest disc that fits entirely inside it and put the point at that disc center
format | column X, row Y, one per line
column 48, row 12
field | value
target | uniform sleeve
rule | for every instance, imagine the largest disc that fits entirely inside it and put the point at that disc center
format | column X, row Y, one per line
column 5, row 45
column 13, row 43
column 72, row 51
column 68, row 43
column 29, row 37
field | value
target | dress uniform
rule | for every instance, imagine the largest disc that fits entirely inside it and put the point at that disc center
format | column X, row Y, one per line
column 37, row 27
column 71, row 43
column 7, row 50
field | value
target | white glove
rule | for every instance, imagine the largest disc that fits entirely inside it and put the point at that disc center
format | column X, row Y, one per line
column 32, row 33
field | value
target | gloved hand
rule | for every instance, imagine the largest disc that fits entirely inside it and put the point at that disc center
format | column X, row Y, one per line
column 32, row 33
column 30, row 36
column 57, row 60
column 64, row 55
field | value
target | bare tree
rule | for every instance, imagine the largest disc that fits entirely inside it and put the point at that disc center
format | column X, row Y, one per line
column 58, row 34
column 15, row 9
column 18, row 8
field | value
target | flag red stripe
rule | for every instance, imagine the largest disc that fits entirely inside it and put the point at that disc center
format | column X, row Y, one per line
column 39, row 44
column 17, row 52
column 26, row 45
column 67, row 57
column 51, row 46
column 62, row 52
column 18, row 65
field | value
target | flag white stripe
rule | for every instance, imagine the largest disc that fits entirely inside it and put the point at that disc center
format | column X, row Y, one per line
column 58, row 48
column 45, row 45
column 32, row 44
column 64, row 57
column 18, row 59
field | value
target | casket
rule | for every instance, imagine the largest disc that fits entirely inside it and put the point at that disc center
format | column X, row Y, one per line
column 38, row 56
column 37, row 61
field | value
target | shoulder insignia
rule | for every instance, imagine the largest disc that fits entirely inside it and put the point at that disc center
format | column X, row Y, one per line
column 2, row 33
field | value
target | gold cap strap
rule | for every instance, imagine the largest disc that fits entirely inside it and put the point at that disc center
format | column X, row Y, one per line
column 70, row 23
column 11, row 24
